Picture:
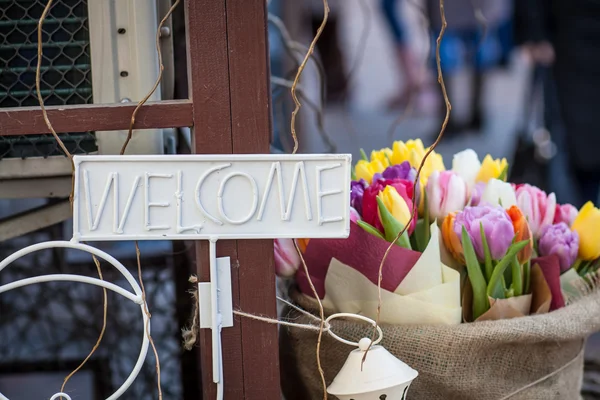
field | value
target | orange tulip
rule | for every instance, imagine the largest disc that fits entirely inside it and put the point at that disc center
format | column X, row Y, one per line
column 302, row 244
column 522, row 232
column 451, row 240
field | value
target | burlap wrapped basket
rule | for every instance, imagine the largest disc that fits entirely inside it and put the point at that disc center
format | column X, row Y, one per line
column 530, row 358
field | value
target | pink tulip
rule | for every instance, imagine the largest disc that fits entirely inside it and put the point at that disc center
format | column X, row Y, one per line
column 354, row 215
column 287, row 259
column 446, row 192
column 565, row 213
column 538, row 207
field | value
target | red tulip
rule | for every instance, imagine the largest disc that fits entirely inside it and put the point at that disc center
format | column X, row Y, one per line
column 370, row 211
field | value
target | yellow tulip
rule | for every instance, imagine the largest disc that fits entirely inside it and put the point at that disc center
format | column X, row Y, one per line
column 383, row 156
column 412, row 149
column 414, row 152
column 365, row 170
column 491, row 168
column 395, row 204
column 434, row 162
column 587, row 225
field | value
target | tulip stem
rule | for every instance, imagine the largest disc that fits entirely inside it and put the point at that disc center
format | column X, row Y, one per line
column 527, row 277
column 577, row 264
column 517, row 277
column 502, row 265
column 489, row 268
column 480, row 300
column 364, row 155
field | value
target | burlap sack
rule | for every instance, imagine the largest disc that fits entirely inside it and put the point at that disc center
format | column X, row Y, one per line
column 530, row 358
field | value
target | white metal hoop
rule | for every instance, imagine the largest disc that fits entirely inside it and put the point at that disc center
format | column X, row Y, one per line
column 355, row 316
column 59, row 395
column 136, row 297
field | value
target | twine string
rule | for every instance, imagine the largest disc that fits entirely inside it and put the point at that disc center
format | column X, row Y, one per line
column 190, row 333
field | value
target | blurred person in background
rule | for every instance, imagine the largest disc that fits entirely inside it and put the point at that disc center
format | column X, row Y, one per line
column 479, row 37
column 567, row 38
column 411, row 74
column 330, row 49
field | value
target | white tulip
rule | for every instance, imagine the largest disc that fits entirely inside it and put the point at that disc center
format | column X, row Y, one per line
column 498, row 192
column 466, row 164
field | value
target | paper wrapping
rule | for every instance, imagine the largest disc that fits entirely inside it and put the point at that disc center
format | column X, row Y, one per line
column 538, row 302
column 428, row 294
column 550, row 266
column 360, row 250
column 571, row 283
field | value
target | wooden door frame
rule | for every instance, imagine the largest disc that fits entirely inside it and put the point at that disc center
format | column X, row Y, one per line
column 229, row 112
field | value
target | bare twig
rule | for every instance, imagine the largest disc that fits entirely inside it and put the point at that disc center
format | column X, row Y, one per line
column 414, row 213
column 311, row 49
column 147, row 312
column 158, row 78
column 100, row 337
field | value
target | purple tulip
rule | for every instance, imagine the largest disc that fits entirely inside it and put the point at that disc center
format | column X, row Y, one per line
column 400, row 171
column 497, row 227
column 560, row 240
column 357, row 189
column 477, row 192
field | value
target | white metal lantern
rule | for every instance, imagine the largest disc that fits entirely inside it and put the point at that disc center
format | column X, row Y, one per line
column 381, row 377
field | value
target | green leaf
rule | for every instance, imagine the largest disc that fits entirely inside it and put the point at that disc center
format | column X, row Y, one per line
column 489, row 268
column 370, row 229
column 392, row 226
column 364, row 155
column 494, row 284
column 527, row 277
column 423, row 229
column 426, row 217
column 517, row 277
column 584, row 268
column 507, row 277
column 504, row 174
column 352, row 174
column 480, row 299
column 594, row 265
column 500, row 291
column 413, row 239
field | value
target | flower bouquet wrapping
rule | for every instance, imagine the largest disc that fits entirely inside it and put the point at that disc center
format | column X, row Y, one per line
column 487, row 291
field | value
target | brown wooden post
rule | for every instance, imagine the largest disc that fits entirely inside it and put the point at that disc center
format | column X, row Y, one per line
column 229, row 88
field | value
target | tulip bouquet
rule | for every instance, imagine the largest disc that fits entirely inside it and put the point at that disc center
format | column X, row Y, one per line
column 518, row 249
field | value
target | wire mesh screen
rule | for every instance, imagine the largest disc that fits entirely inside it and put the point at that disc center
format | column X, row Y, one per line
column 65, row 72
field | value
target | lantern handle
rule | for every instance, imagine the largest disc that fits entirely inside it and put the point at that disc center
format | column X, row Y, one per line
column 356, row 316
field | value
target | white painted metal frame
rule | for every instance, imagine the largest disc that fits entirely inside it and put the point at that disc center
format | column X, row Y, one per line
column 136, row 296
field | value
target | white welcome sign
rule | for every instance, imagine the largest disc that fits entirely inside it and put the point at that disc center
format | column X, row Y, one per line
column 211, row 197
column 190, row 197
